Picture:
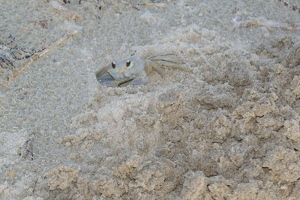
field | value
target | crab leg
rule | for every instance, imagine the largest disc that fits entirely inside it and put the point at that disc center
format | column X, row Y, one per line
column 165, row 57
column 168, row 62
column 162, row 54
column 154, row 66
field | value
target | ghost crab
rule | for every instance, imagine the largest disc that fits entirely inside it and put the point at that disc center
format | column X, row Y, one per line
column 135, row 70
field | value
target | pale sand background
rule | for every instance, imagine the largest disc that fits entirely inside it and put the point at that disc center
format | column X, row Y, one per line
column 229, row 128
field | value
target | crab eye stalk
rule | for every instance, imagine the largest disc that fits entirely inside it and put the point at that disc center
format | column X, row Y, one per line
column 113, row 65
column 128, row 63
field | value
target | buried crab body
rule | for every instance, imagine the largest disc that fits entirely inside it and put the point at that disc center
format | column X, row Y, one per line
column 134, row 70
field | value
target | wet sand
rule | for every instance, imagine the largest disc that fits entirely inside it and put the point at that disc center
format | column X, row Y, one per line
column 228, row 128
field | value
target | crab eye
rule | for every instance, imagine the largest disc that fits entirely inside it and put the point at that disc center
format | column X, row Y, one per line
column 128, row 63
column 113, row 65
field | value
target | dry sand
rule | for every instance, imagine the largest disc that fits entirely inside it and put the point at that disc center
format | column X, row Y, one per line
column 227, row 129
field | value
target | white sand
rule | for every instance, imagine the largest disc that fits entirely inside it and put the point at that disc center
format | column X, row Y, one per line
column 228, row 129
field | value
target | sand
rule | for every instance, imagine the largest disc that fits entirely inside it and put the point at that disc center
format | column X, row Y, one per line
column 227, row 128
